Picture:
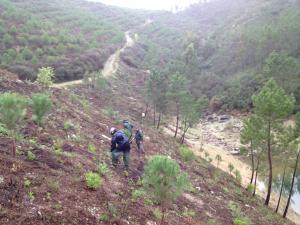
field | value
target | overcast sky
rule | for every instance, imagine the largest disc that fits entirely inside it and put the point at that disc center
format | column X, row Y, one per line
column 149, row 4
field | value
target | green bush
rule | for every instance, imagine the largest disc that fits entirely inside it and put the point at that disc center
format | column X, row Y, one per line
column 12, row 113
column 186, row 154
column 45, row 76
column 136, row 194
column 3, row 130
column 230, row 167
column 250, row 188
column 163, row 181
column 238, row 176
column 93, row 180
column 92, row 148
column 41, row 106
column 241, row 221
column 26, row 54
column 30, row 155
column 103, row 169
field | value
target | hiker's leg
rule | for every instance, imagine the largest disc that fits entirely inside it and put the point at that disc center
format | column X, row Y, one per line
column 142, row 147
column 115, row 157
column 126, row 158
column 138, row 144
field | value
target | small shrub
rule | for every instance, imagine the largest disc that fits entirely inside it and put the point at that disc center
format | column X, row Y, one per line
column 30, row 196
column 186, row 154
column 219, row 159
column 92, row 148
column 206, row 155
column 41, row 106
column 45, row 76
column 230, row 167
column 163, row 180
column 57, row 146
column 103, row 169
column 241, row 221
column 238, row 176
column 93, row 180
column 104, row 217
column 250, row 188
column 211, row 222
column 3, row 130
column 188, row 212
column 27, row 183
column 30, row 155
column 53, row 185
column 157, row 214
column 12, row 113
column 136, row 194
column 68, row 125
column 85, row 105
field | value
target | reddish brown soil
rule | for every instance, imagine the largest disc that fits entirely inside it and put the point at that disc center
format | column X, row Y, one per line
column 57, row 180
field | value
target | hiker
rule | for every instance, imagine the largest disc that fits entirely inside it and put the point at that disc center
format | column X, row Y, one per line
column 127, row 129
column 119, row 145
column 139, row 137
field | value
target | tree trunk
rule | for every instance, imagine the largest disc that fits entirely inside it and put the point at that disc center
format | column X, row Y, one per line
column 146, row 110
column 158, row 122
column 184, row 132
column 252, row 162
column 163, row 211
column 270, row 165
column 292, row 186
column 281, row 189
column 154, row 117
column 256, row 173
column 177, row 121
column 14, row 147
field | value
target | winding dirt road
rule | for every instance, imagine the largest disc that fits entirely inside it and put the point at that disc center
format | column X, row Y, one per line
column 111, row 65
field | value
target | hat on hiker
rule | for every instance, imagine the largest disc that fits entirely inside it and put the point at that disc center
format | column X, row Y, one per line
column 113, row 130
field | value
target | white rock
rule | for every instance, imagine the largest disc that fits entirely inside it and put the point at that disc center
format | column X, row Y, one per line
column 1, row 179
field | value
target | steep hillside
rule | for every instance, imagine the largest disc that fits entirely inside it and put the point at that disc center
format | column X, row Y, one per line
column 50, row 188
column 230, row 42
column 74, row 37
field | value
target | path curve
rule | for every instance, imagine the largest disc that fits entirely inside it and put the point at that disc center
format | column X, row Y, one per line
column 111, row 65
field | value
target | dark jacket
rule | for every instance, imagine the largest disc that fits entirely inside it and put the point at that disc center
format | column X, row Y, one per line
column 139, row 135
column 120, row 142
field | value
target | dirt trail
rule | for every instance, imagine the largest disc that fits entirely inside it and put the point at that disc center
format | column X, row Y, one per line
column 110, row 67
column 112, row 64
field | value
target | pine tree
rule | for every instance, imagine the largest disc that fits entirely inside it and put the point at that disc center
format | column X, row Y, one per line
column 41, row 106
column 164, row 181
column 12, row 113
column 271, row 106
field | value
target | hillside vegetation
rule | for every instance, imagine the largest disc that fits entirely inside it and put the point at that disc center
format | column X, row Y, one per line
column 61, row 171
column 74, row 37
column 226, row 46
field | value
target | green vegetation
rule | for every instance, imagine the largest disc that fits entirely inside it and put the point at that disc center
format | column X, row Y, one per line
column 12, row 113
column 92, row 148
column 41, row 106
column 164, row 181
column 45, row 76
column 271, row 106
column 103, row 169
column 186, row 153
column 73, row 37
column 93, row 180
column 30, row 155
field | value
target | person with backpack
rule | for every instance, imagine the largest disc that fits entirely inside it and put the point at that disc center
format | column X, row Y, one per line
column 120, row 145
column 139, row 137
column 127, row 129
